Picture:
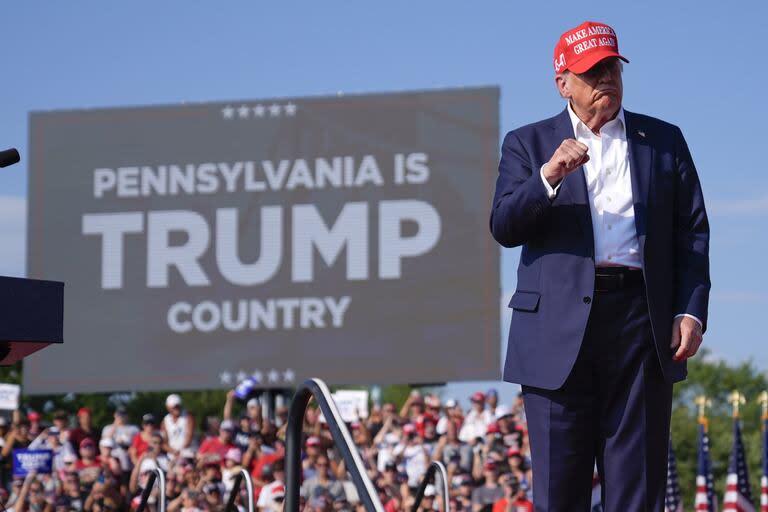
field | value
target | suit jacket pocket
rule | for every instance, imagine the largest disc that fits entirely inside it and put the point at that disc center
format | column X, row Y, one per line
column 525, row 301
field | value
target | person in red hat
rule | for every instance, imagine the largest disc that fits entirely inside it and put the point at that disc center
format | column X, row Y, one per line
column 613, row 281
column 413, row 453
column 34, row 424
column 484, row 496
column 477, row 420
column 84, row 429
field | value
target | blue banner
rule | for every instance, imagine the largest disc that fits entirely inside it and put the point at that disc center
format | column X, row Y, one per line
column 26, row 461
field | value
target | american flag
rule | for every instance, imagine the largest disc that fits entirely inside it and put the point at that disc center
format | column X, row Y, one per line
column 764, row 478
column 705, row 485
column 672, row 501
column 738, row 495
column 597, row 504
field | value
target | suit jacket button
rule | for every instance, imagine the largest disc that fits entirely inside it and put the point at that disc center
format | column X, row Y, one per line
column 587, row 300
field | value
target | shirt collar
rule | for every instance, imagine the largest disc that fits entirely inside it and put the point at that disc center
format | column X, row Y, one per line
column 617, row 123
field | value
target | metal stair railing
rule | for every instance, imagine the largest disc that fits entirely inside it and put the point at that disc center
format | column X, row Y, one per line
column 317, row 388
column 242, row 475
column 156, row 474
column 434, row 467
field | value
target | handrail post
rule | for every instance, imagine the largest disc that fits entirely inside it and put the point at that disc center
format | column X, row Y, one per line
column 243, row 474
column 435, row 467
column 293, row 434
column 157, row 474
column 341, row 437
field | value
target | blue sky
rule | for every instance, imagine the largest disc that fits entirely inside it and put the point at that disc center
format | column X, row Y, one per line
column 697, row 64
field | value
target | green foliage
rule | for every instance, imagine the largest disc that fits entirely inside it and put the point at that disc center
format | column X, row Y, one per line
column 200, row 403
column 716, row 380
column 396, row 393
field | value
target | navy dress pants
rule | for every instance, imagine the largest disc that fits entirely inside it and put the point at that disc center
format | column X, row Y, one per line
column 613, row 410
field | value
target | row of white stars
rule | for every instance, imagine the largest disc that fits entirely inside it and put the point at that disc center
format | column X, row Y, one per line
column 257, row 111
column 267, row 377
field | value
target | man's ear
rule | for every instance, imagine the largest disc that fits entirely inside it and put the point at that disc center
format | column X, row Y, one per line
column 561, row 83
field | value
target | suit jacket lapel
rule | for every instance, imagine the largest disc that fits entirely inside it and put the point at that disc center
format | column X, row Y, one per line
column 640, row 159
column 574, row 185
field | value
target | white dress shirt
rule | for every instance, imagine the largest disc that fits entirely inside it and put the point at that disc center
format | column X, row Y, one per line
column 609, row 187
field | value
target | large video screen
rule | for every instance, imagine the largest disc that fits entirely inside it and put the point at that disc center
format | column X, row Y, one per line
column 341, row 237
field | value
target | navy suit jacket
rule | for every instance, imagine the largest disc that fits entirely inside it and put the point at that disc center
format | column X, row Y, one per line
column 555, row 277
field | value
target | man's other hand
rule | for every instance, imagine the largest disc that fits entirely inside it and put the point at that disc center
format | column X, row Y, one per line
column 686, row 338
column 567, row 158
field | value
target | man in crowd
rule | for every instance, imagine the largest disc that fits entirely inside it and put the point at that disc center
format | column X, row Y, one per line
column 477, row 420
column 84, row 428
column 514, row 499
column 120, row 431
column 490, row 492
column 220, row 444
column 322, row 483
column 178, row 426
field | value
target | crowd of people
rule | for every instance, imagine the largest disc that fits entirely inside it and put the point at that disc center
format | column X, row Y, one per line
column 484, row 449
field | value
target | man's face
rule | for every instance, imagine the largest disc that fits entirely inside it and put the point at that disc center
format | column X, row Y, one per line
column 36, row 495
column 599, row 89
column 388, row 410
column 87, row 451
column 156, row 444
column 322, row 465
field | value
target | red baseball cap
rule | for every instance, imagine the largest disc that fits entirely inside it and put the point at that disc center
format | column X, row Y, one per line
column 582, row 47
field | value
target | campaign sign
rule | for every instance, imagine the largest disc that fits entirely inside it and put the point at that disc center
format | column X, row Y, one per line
column 9, row 396
column 27, row 461
column 352, row 405
column 275, row 240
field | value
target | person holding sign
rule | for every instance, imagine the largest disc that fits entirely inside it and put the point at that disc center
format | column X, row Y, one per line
column 613, row 282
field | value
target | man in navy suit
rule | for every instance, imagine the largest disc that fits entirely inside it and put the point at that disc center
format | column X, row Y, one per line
column 613, row 281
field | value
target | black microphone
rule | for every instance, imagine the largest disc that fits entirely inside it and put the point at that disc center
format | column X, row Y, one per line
column 9, row 157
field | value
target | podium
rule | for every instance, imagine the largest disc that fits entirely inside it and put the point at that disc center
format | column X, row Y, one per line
column 31, row 316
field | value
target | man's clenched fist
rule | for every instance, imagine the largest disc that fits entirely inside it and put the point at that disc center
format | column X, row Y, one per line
column 567, row 158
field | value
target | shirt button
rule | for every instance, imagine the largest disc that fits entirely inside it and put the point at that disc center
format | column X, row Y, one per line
column 610, row 257
column 608, row 199
column 587, row 300
column 609, row 227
